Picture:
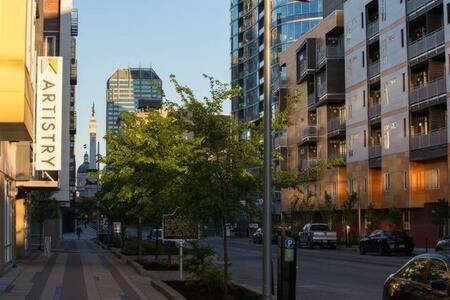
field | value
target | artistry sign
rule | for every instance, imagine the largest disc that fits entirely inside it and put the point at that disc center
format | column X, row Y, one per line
column 49, row 114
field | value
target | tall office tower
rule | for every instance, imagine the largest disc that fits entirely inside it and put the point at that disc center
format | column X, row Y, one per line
column 131, row 90
column 60, row 31
column 290, row 21
column 93, row 141
column 396, row 98
column 312, row 69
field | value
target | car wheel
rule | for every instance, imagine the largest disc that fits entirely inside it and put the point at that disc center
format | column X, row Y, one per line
column 438, row 248
column 362, row 249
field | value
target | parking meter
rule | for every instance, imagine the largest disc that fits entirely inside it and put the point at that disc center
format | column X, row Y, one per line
column 287, row 268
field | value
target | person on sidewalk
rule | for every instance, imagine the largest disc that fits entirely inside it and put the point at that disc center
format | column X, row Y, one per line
column 79, row 231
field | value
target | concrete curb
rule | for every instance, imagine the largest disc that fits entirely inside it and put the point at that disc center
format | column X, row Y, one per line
column 166, row 290
column 250, row 288
column 160, row 286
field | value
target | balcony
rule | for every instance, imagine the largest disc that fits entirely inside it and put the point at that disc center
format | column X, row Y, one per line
column 309, row 134
column 328, row 52
column 426, row 43
column 374, row 111
column 336, row 128
column 74, row 72
column 280, row 141
column 375, row 151
column 279, row 85
column 311, row 100
column 337, row 156
column 431, row 89
column 373, row 69
column 308, row 163
column 412, row 5
column 372, row 29
column 74, row 25
column 434, row 138
column 306, row 60
column 73, row 122
column 322, row 88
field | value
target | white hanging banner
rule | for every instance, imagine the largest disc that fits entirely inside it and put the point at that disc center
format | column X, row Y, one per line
column 49, row 114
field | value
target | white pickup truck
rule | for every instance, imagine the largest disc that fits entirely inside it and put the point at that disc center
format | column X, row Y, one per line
column 317, row 234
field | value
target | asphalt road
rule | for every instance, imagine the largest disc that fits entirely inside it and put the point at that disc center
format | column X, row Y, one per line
column 322, row 274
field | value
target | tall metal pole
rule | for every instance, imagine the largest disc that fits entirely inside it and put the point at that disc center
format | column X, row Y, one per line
column 267, row 226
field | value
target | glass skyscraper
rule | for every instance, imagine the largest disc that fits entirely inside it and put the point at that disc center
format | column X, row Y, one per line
column 290, row 21
column 131, row 90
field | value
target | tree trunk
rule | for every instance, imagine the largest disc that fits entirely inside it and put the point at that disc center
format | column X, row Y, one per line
column 41, row 224
column 157, row 243
column 122, row 233
column 139, row 238
column 225, row 257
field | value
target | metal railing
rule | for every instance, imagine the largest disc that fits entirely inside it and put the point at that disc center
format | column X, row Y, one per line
column 311, row 99
column 327, row 52
column 412, row 5
column 322, row 88
column 308, row 163
column 337, row 156
column 74, row 23
column 373, row 69
column 431, row 89
column 433, row 138
column 374, row 111
column 426, row 43
column 280, row 141
column 73, row 72
column 375, row 151
column 309, row 132
column 336, row 124
column 373, row 28
column 302, row 68
column 279, row 84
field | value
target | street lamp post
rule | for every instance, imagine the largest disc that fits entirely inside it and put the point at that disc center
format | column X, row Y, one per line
column 267, row 226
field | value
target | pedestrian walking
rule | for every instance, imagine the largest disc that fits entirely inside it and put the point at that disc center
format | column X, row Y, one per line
column 79, row 231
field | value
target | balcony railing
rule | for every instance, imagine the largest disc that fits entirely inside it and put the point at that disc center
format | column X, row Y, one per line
column 322, row 88
column 433, row 138
column 280, row 141
column 336, row 124
column 375, row 151
column 279, row 84
column 74, row 27
column 373, row 28
column 431, row 89
column 373, row 69
column 374, row 111
column 73, row 72
column 309, row 133
column 336, row 156
column 426, row 43
column 412, row 5
column 326, row 52
column 302, row 68
column 308, row 163
column 311, row 99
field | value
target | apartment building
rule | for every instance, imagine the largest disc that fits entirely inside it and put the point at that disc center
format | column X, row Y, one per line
column 373, row 88
column 313, row 73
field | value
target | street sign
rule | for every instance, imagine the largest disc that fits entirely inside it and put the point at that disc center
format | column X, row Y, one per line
column 177, row 226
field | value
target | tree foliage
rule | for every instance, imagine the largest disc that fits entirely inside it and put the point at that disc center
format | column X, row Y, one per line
column 328, row 209
column 441, row 216
column 395, row 218
column 348, row 208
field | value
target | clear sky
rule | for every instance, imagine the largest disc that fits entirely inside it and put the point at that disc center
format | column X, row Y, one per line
column 185, row 38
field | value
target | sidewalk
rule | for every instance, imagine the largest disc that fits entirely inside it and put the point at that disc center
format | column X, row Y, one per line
column 78, row 269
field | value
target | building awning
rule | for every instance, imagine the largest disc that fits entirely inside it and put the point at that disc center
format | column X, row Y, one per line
column 38, row 185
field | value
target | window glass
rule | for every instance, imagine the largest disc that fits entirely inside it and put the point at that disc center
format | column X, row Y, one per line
column 438, row 270
column 415, row 270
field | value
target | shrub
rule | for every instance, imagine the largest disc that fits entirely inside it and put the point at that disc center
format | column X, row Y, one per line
column 148, row 248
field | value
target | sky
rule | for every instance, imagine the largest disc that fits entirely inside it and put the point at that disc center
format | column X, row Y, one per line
column 184, row 38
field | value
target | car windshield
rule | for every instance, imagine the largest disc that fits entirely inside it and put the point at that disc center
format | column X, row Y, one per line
column 319, row 227
column 395, row 234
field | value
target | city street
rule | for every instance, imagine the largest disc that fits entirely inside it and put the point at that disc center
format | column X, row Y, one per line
column 79, row 269
column 322, row 274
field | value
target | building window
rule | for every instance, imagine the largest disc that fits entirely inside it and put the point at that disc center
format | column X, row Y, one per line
column 350, row 185
column 387, row 182
column 334, row 192
column 50, row 45
column 404, row 82
column 362, row 19
column 386, row 137
column 432, row 179
column 364, row 98
column 402, row 38
column 365, row 184
column 404, row 127
column 7, row 217
column 365, row 136
column 362, row 59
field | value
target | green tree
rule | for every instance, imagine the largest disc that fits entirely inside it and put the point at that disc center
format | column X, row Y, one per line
column 348, row 208
column 370, row 215
column 144, row 161
column 328, row 209
column 395, row 218
column 43, row 207
column 224, row 170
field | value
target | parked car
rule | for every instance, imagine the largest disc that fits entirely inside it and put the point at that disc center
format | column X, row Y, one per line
column 257, row 237
column 154, row 233
column 386, row 242
column 443, row 244
column 423, row 277
column 314, row 234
